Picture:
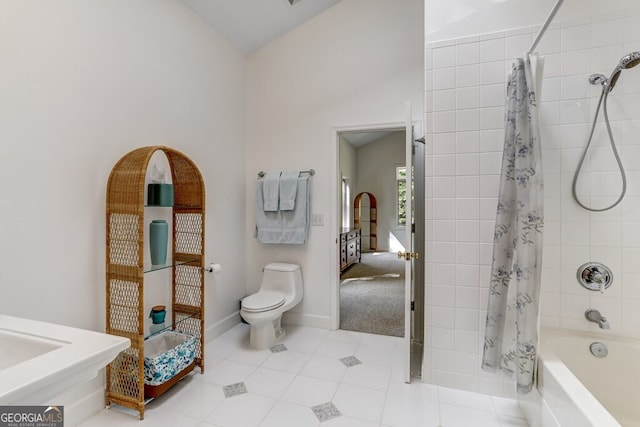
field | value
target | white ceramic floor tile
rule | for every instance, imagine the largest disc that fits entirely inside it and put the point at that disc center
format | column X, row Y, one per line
column 242, row 410
column 249, row 356
column 458, row 416
column 210, row 360
column 411, row 404
column 507, row 407
column 164, row 416
column 344, row 421
column 269, row 382
column 303, row 339
column 345, row 336
column 376, row 354
column 167, row 417
column 383, row 341
column 219, row 349
column 410, row 413
column 112, row 417
column 336, row 349
column 310, row 391
column 359, row 402
column 367, row 375
column 506, row 421
column 324, row 368
column 197, row 401
column 183, row 387
column 282, row 388
column 417, row 391
column 465, row 398
column 225, row 344
column 228, row 372
column 289, row 361
column 285, row 414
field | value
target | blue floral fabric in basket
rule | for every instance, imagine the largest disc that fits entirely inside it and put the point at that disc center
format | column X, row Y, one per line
column 168, row 353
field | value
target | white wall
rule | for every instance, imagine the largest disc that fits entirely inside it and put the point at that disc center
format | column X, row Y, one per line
column 446, row 19
column 465, row 96
column 82, row 84
column 377, row 162
column 354, row 65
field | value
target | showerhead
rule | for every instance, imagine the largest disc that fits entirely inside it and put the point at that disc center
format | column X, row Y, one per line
column 627, row 61
column 630, row 60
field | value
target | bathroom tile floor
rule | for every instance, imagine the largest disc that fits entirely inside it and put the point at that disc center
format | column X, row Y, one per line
column 314, row 378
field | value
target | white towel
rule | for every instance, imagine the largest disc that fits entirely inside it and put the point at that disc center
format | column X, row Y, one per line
column 288, row 190
column 270, row 191
column 285, row 227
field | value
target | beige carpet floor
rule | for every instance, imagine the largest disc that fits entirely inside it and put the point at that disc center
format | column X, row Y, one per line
column 372, row 295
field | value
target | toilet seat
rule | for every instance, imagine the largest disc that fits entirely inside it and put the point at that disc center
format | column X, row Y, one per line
column 263, row 301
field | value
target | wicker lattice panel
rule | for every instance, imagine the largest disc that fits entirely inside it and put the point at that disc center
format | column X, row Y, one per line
column 125, row 269
column 191, row 325
column 123, row 239
column 187, row 285
column 188, row 229
column 123, row 373
column 124, row 303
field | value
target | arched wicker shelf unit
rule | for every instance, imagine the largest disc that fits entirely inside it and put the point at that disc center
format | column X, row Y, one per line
column 373, row 218
column 125, row 270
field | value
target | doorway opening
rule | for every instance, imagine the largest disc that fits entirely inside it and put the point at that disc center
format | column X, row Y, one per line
column 372, row 277
column 397, row 207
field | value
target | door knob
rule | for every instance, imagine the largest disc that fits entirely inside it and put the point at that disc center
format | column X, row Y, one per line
column 408, row 256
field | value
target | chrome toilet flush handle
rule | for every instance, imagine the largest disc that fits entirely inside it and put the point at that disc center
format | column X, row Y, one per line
column 595, row 276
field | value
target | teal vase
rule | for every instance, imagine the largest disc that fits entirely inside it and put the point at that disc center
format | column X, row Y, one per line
column 157, row 314
column 158, row 239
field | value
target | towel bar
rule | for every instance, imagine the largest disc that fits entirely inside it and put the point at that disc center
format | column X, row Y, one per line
column 311, row 172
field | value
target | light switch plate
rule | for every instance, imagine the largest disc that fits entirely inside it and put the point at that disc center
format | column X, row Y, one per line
column 317, row 219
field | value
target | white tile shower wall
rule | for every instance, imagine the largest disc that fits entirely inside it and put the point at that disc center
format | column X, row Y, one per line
column 466, row 85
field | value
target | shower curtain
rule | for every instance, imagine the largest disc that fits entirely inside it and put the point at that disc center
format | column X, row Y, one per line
column 511, row 336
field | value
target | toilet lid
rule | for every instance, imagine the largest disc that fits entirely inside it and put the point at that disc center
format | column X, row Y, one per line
column 263, row 301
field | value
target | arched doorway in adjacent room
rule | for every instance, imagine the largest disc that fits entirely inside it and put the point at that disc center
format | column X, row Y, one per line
column 366, row 219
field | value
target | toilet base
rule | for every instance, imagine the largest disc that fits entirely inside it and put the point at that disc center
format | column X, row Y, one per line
column 264, row 335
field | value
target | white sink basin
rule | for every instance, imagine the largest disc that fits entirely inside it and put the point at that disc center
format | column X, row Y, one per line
column 40, row 360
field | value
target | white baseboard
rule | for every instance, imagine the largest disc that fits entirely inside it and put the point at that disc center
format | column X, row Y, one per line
column 288, row 318
column 310, row 320
column 221, row 326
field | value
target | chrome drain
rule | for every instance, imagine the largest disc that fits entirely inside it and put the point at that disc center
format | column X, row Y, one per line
column 598, row 349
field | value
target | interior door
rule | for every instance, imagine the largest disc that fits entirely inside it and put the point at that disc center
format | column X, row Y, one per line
column 408, row 254
column 418, row 302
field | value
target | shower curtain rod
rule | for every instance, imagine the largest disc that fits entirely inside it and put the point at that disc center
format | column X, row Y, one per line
column 544, row 27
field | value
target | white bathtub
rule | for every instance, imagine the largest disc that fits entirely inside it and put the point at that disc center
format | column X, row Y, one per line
column 579, row 389
column 40, row 360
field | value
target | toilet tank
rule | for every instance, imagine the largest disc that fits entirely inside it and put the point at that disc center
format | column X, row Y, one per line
column 283, row 277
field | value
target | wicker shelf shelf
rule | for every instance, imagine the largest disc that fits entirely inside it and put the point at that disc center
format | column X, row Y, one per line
column 126, row 269
column 149, row 268
column 177, row 326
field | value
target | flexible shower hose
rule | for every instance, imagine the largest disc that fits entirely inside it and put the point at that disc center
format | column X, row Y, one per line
column 603, row 97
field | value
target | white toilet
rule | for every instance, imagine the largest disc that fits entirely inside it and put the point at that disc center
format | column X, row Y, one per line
column 281, row 290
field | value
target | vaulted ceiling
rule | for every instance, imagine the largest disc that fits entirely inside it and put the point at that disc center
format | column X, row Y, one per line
column 250, row 24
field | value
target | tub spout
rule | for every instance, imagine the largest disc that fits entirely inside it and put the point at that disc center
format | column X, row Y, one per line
column 594, row 316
